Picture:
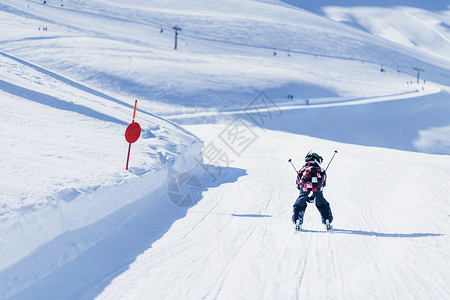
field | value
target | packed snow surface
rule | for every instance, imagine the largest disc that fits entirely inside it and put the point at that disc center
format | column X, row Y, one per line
column 204, row 210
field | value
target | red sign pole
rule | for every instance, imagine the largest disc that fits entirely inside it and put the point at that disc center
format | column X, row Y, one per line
column 132, row 133
column 128, row 157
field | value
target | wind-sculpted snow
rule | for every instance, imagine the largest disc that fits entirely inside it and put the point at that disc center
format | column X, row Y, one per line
column 438, row 5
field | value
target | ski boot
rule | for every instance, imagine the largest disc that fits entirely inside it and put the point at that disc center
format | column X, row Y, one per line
column 299, row 221
column 297, row 218
column 298, row 225
column 328, row 225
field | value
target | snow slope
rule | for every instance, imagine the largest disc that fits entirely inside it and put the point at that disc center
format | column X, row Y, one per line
column 396, row 20
column 421, row 29
column 74, row 224
column 224, row 58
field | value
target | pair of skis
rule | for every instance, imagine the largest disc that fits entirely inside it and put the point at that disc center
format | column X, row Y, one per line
column 298, row 226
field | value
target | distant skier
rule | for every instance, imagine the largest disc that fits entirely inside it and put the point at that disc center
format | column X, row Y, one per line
column 311, row 179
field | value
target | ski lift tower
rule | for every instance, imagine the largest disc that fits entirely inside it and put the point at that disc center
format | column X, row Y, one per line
column 176, row 28
column 418, row 73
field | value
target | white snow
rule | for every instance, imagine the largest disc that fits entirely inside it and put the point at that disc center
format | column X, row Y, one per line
column 388, row 241
column 74, row 224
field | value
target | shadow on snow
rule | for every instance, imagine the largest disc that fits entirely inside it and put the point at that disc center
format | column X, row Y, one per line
column 376, row 234
column 251, row 216
column 390, row 124
column 55, row 102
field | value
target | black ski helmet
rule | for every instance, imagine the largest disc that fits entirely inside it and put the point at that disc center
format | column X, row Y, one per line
column 313, row 157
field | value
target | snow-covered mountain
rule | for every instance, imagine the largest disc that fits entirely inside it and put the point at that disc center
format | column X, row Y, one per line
column 252, row 83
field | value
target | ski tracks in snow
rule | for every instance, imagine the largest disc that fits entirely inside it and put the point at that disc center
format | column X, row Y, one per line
column 238, row 241
column 370, row 257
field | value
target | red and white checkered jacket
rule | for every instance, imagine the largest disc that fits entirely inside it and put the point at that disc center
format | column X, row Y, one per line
column 311, row 177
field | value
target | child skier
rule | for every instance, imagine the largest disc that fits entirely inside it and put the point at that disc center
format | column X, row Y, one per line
column 311, row 179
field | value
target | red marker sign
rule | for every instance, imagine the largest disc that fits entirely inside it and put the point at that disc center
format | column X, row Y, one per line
column 132, row 133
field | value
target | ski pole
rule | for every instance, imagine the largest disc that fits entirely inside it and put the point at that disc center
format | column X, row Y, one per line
column 335, row 151
column 290, row 160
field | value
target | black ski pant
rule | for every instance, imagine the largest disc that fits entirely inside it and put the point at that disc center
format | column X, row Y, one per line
column 321, row 203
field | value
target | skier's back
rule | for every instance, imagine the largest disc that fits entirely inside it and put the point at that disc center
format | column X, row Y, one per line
column 311, row 179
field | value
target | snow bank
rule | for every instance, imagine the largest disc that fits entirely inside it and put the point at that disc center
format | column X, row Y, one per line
column 63, row 156
column 27, row 228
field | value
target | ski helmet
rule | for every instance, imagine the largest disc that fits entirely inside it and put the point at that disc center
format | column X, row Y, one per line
column 313, row 157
